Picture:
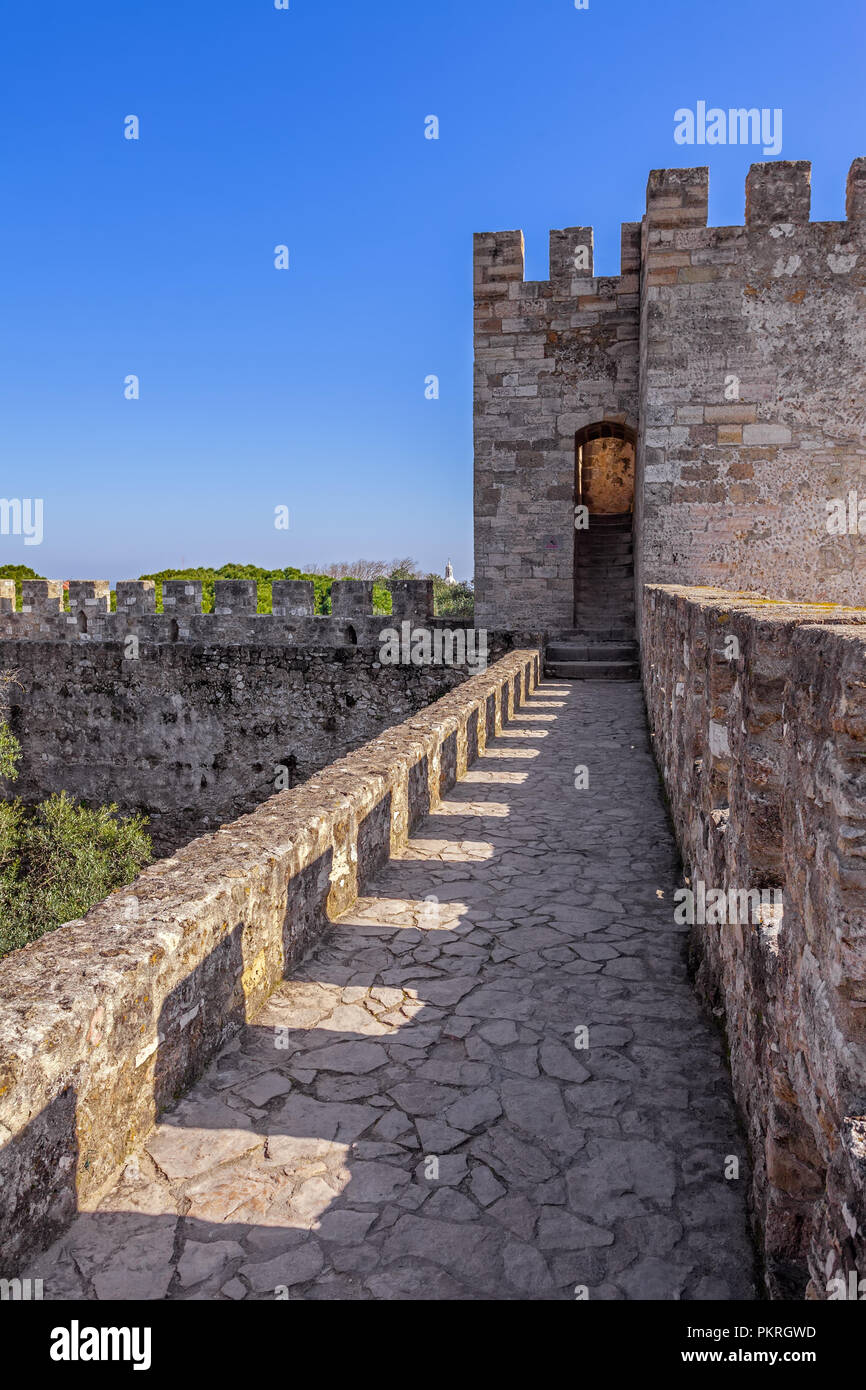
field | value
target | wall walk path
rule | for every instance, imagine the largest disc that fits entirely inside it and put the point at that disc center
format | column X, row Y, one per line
column 409, row 1117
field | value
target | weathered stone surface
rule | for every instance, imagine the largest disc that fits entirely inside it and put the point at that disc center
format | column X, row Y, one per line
column 759, row 717
column 733, row 357
column 107, row 1020
column 553, row 1180
column 206, row 723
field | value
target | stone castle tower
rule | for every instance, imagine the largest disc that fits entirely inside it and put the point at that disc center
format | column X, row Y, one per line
column 704, row 407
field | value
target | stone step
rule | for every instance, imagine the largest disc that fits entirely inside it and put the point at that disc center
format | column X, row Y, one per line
column 594, row 588
column 593, row 670
column 621, row 580
column 602, row 559
column 606, row 536
column 591, row 651
column 606, row 595
column 593, row 559
column 606, row 625
column 594, row 612
column 595, row 633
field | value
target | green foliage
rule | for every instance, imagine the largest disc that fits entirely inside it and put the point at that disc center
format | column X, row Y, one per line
column 18, row 572
column 381, row 597
column 453, row 600
column 10, row 752
column 58, row 859
column 10, row 748
column 264, row 579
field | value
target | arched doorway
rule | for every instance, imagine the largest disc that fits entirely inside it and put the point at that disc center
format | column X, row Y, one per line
column 604, row 481
column 604, row 469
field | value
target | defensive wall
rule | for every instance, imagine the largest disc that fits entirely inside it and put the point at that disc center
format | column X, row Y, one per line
column 194, row 718
column 107, row 1020
column 758, row 714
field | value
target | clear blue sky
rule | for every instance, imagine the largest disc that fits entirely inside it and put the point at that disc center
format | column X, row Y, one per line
column 306, row 127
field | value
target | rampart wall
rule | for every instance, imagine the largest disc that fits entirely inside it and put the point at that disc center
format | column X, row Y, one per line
column 551, row 356
column 106, row 1020
column 753, row 388
column 195, row 718
column 758, row 717
column 736, row 356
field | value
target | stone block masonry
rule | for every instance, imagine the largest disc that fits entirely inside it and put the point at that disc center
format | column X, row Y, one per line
column 734, row 356
column 753, row 376
column 551, row 357
column 758, row 715
column 195, row 718
column 108, row 1020
column 412, row 1114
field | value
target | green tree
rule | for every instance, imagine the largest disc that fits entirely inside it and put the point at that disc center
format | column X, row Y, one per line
column 453, row 600
column 10, row 748
column 18, row 572
column 60, row 858
column 264, row 579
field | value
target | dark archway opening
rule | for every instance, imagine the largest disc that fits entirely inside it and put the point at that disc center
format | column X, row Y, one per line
column 604, row 458
column 604, row 486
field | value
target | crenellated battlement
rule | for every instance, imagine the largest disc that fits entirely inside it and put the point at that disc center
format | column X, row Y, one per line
column 500, row 265
column 735, row 357
column 777, row 192
column 234, row 618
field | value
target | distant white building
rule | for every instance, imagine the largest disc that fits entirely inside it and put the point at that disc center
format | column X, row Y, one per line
column 449, row 573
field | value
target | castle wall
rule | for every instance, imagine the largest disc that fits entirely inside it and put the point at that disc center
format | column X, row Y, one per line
column 194, row 735
column 551, row 356
column 740, row 355
column 753, row 387
column 196, row 718
column 108, row 1019
column 758, row 714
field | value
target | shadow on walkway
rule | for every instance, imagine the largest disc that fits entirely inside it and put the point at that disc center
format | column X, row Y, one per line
column 490, row 1080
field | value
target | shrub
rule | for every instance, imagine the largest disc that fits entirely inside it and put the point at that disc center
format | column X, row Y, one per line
column 18, row 572
column 58, row 859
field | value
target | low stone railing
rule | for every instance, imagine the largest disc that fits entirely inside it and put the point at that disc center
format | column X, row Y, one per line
column 106, row 1020
column 758, row 716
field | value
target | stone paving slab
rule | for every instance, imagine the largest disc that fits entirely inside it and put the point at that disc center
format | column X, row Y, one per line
column 409, row 1117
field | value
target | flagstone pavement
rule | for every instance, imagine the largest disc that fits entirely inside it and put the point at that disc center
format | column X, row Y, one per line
column 491, row 1080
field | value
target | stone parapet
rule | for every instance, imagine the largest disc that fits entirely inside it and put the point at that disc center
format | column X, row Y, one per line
column 758, row 717
column 106, row 1020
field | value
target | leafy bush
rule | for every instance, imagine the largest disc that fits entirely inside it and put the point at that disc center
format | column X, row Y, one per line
column 10, row 751
column 18, row 572
column 453, row 600
column 58, row 859
column 264, row 579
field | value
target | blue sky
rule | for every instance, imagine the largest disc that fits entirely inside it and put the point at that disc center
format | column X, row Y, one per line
column 305, row 388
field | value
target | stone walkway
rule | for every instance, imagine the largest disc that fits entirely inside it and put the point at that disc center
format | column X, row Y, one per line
column 409, row 1116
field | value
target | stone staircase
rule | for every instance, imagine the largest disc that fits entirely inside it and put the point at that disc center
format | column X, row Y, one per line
column 601, row 645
